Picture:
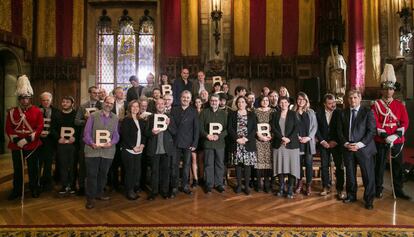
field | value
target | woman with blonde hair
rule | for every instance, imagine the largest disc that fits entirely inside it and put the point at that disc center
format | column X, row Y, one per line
column 308, row 126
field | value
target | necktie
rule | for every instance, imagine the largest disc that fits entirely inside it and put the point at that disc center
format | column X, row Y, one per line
column 353, row 117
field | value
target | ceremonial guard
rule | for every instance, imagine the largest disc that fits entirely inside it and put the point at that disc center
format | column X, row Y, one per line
column 24, row 124
column 392, row 121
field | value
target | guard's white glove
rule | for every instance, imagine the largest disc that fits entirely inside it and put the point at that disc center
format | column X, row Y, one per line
column 391, row 139
column 22, row 143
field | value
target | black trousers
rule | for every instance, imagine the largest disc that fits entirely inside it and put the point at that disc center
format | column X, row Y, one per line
column 366, row 165
column 306, row 161
column 96, row 175
column 397, row 166
column 132, row 164
column 339, row 168
column 66, row 159
column 79, row 167
column 32, row 167
column 214, row 167
column 185, row 153
column 46, row 154
column 160, row 174
column 116, row 172
column 247, row 174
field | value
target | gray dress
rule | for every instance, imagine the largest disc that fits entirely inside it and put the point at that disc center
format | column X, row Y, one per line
column 286, row 161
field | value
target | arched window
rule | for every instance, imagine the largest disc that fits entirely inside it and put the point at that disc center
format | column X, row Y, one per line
column 146, row 46
column 105, row 52
column 125, row 52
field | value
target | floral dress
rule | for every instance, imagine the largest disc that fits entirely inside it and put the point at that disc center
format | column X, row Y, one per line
column 241, row 155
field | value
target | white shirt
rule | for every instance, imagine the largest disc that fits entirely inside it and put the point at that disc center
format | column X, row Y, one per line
column 202, row 87
column 138, row 139
column 119, row 108
column 328, row 116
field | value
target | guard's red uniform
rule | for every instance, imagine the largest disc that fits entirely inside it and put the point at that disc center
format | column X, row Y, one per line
column 391, row 119
column 17, row 127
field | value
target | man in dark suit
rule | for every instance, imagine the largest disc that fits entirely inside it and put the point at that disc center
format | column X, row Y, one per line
column 47, row 150
column 134, row 92
column 356, row 131
column 327, row 136
column 180, row 85
column 185, row 121
column 200, row 84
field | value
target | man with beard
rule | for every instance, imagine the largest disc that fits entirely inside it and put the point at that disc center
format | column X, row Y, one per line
column 82, row 115
column 24, row 124
column 186, row 123
column 180, row 85
column 213, row 128
column 327, row 136
column 66, row 133
column 98, row 155
column 392, row 123
column 160, row 151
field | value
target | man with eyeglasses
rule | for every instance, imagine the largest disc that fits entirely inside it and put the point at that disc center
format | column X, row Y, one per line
column 99, row 154
column 82, row 116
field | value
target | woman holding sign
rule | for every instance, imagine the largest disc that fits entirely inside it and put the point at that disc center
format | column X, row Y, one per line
column 264, row 155
column 132, row 145
column 285, row 145
column 242, row 127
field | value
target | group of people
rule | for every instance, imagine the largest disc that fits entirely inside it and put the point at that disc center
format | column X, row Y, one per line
column 203, row 130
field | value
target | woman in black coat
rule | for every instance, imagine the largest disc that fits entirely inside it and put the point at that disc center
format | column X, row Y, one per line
column 242, row 127
column 132, row 145
column 286, row 162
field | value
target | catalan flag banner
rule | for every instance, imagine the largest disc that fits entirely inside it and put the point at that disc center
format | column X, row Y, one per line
column 274, row 27
column 180, row 27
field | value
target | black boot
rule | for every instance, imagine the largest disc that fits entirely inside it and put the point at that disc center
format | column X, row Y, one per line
column 281, row 191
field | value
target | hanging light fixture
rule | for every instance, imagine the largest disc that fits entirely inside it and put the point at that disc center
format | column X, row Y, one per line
column 216, row 15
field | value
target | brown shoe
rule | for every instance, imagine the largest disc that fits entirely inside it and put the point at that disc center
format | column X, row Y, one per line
column 90, row 203
column 299, row 187
column 325, row 191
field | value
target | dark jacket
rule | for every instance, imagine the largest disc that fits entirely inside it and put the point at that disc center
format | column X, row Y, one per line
column 49, row 140
column 291, row 130
column 327, row 132
column 152, row 140
column 125, row 108
column 186, row 123
column 129, row 132
column 363, row 130
column 132, row 94
column 251, row 131
column 208, row 116
column 178, row 87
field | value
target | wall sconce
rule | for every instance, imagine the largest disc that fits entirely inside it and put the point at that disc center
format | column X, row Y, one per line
column 216, row 15
column 405, row 30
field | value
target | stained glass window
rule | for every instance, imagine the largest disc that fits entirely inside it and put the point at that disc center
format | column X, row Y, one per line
column 105, row 52
column 146, row 46
column 134, row 50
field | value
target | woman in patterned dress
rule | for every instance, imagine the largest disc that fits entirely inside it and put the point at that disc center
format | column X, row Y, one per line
column 263, row 165
column 242, row 127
